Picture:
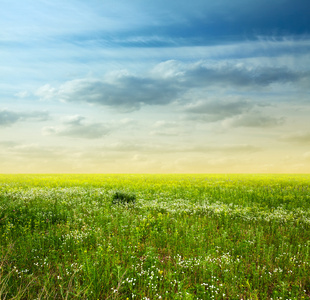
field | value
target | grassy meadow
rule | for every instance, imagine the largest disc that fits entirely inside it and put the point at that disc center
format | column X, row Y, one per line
column 181, row 237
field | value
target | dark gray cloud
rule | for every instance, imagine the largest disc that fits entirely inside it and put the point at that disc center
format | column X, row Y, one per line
column 216, row 110
column 128, row 92
column 8, row 118
column 76, row 127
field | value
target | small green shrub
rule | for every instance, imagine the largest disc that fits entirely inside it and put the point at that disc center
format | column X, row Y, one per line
column 120, row 197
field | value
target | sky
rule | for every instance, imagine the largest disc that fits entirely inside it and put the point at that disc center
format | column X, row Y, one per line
column 159, row 86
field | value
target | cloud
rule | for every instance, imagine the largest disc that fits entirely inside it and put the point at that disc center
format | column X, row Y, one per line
column 8, row 144
column 22, row 94
column 8, row 118
column 306, row 156
column 160, row 147
column 169, row 82
column 127, row 92
column 35, row 151
column 254, row 119
column 298, row 137
column 205, row 21
column 239, row 75
column 227, row 149
column 76, row 128
column 46, row 92
column 170, row 128
column 38, row 158
column 232, row 111
column 169, row 69
column 216, row 109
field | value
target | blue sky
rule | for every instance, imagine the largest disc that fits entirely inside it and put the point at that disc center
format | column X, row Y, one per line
column 154, row 86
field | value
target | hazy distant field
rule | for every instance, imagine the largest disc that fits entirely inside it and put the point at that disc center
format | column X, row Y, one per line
column 186, row 237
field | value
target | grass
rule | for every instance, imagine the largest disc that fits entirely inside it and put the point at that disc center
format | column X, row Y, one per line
column 179, row 237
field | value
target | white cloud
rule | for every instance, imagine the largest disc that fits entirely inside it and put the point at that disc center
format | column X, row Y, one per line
column 22, row 94
column 168, row 69
column 46, row 92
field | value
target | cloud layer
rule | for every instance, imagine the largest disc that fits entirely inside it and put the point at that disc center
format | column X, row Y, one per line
column 206, row 86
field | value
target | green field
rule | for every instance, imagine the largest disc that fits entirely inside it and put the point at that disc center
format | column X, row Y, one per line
column 185, row 237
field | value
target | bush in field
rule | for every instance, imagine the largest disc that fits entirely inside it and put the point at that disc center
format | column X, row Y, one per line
column 120, row 197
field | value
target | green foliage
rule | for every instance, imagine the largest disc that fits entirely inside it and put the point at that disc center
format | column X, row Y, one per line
column 120, row 197
column 33, row 213
column 188, row 237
